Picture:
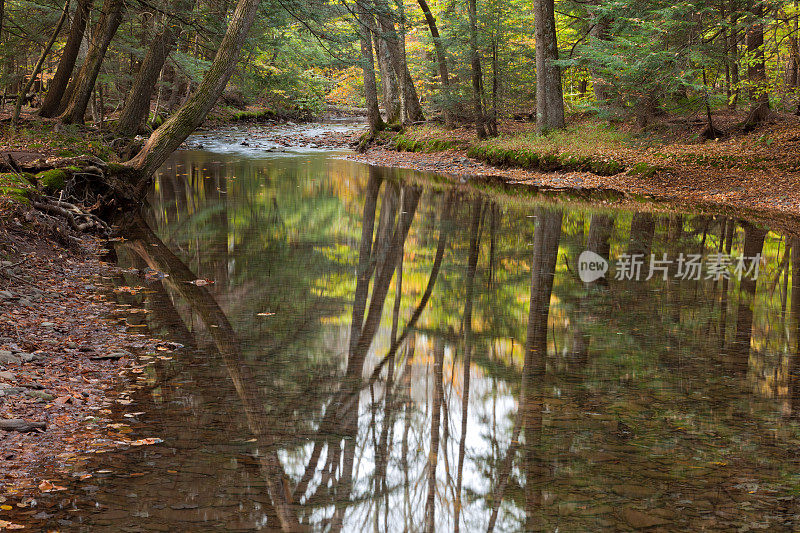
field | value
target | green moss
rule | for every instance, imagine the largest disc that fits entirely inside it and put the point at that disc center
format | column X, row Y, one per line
column 52, row 180
column 644, row 170
column 255, row 115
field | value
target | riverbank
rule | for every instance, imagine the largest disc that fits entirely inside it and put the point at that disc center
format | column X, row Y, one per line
column 755, row 171
column 67, row 357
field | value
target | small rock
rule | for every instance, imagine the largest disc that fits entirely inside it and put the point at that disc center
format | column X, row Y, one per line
column 8, row 357
column 8, row 376
column 25, row 302
column 47, row 324
column 26, row 357
column 89, row 287
column 7, row 295
column 42, row 395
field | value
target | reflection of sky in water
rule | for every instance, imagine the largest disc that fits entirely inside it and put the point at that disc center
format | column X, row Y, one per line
column 655, row 397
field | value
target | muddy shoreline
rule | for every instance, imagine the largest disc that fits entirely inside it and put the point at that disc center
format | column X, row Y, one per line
column 66, row 353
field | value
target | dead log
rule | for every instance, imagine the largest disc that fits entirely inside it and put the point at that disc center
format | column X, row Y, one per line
column 23, row 426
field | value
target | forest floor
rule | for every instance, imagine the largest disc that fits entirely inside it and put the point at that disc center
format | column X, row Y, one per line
column 759, row 170
column 67, row 357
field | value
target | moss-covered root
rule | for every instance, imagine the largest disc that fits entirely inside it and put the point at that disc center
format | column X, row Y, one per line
column 53, row 180
column 17, row 188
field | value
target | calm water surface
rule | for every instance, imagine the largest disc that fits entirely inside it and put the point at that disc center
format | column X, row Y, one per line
column 375, row 355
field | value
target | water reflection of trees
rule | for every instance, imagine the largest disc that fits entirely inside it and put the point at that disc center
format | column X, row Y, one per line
column 488, row 411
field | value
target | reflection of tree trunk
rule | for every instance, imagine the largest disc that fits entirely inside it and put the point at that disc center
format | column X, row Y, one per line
column 545, row 255
column 643, row 227
column 794, row 364
column 364, row 273
column 599, row 242
column 143, row 242
column 740, row 351
column 436, row 415
column 472, row 265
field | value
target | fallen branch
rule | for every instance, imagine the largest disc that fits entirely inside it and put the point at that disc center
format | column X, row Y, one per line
column 23, row 426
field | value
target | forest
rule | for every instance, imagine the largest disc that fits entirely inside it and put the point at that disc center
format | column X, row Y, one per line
column 138, row 67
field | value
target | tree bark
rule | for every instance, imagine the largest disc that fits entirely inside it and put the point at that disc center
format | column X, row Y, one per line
column 55, row 91
column 137, row 103
column 441, row 60
column 409, row 103
column 599, row 32
column 175, row 129
column 757, row 69
column 549, row 95
column 368, row 66
column 36, row 69
column 104, row 31
column 390, row 86
column 477, row 75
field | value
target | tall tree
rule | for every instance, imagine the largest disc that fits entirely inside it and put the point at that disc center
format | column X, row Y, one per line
column 756, row 66
column 104, row 30
column 36, row 69
column 368, row 66
column 137, row 103
column 549, row 95
column 55, row 90
column 441, row 60
column 175, row 129
column 477, row 74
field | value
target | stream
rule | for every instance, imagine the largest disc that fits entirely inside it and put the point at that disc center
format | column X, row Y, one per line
column 366, row 348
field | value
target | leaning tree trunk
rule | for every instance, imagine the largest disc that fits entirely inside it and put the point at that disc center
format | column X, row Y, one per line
column 441, row 59
column 104, row 31
column 757, row 69
column 137, row 103
column 368, row 66
column 55, row 91
column 477, row 75
column 24, row 92
column 175, row 129
column 549, row 96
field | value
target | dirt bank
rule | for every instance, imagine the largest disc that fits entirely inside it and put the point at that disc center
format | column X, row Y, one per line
column 65, row 353
column 759, row 171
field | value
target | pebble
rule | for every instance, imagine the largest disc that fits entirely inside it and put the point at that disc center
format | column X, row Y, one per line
column 42, row 395
column 8, row 357
column 47, row 324
column 7, row 295
column 26, row 357
column 8, row 375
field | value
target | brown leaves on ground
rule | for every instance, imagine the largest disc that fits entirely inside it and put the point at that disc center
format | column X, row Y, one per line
column 63, row 355
column 759, row 170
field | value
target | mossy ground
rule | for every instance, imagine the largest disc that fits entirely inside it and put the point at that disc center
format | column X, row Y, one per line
column 52, row 139
column 15, row 188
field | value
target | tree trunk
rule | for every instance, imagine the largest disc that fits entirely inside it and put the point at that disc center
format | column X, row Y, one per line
column 104, row 31
column 441, row 59
column 549, row 96
column 174, row 131
column 24, row 91
column 137, row 103
column 411, row 108
column 477, row 75
column 55, row 91
column 757, row 69
column 390, row 86
column 599, row 32
column 368, row 66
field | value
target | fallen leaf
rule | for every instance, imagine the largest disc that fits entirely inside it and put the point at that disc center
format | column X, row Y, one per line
column 147, row 441
column 47, row 486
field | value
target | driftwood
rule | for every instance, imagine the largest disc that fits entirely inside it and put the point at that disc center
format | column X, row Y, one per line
column 23, row 426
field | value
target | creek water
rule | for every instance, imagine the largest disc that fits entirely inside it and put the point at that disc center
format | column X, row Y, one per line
column 378, row 352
